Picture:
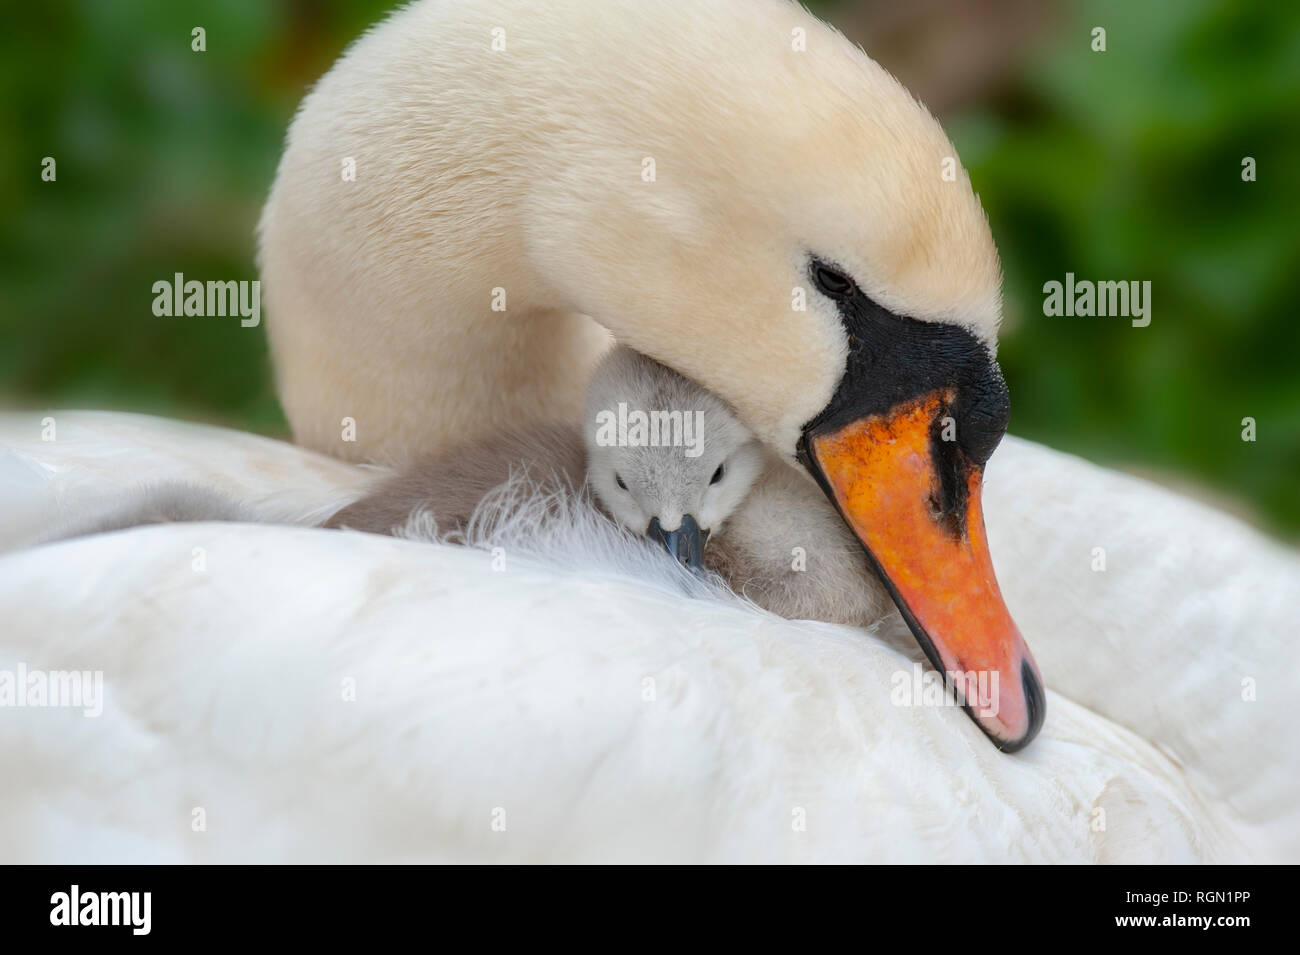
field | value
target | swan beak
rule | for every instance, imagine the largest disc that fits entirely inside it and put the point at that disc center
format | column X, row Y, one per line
column 913, row 501
column 686, row 543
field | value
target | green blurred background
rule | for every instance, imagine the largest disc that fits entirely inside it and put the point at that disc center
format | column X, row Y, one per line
column 1117, row 165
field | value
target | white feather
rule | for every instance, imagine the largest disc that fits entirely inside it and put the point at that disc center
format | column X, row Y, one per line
column 523, row 689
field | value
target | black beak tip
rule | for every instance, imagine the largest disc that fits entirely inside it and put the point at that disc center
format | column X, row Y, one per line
column 1035, row 703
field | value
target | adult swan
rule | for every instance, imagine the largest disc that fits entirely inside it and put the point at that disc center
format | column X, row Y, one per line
column 478, row 193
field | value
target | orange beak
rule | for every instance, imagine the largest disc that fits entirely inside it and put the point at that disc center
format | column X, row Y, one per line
column 915, row 506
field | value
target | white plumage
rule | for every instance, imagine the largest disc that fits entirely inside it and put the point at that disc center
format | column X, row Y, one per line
column 563, row 692
column 770, row 219
column 524, row 689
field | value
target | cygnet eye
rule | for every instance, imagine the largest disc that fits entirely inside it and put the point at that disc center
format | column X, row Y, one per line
column 619, row 481
column 717, row 475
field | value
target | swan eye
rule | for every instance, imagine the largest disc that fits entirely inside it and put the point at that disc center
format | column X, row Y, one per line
column 619, row 481
column 717, row 475
column 832, row 283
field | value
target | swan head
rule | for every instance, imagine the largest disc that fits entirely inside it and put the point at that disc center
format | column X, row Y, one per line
column 664, row 457
column 808, row 248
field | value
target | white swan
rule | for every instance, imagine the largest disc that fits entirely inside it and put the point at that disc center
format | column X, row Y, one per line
column 730, row 188
column 506, row 714
column 401, row 696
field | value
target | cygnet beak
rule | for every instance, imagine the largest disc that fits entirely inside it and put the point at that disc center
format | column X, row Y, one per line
column 685, row 542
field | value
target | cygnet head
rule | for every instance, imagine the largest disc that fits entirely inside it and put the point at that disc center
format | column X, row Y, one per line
column 665, row 458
